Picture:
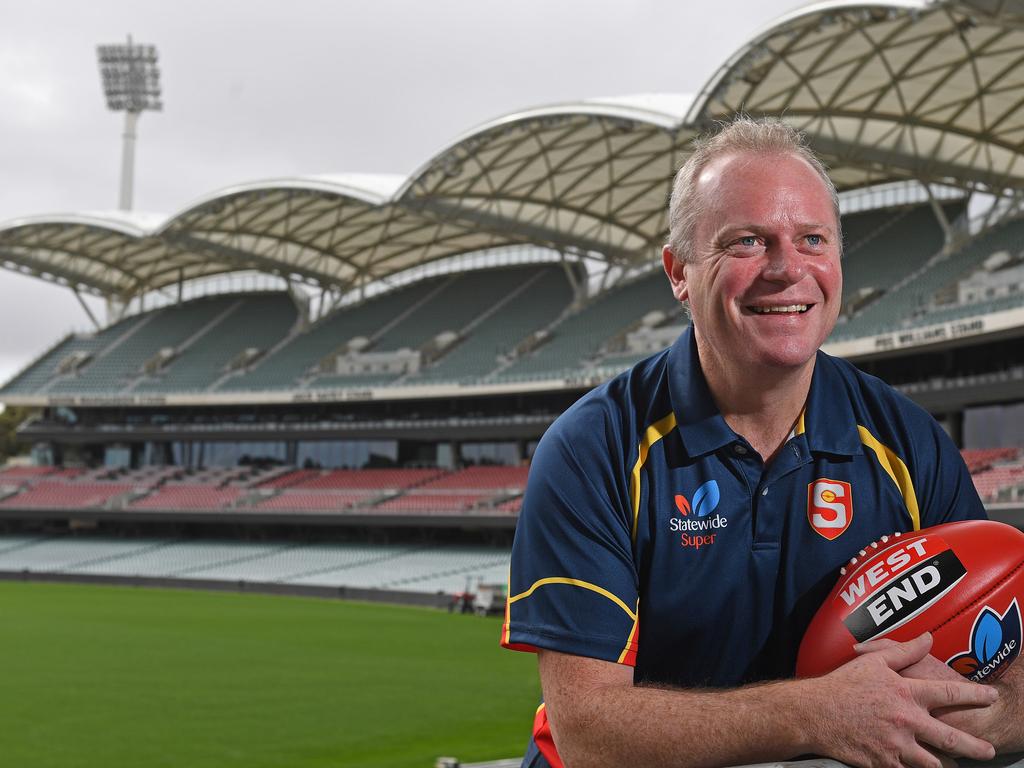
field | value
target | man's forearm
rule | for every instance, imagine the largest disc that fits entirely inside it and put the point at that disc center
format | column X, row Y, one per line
column 863, row 713
column 656, row 727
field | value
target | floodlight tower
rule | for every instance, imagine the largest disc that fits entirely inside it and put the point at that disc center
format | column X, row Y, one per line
column 131, row 83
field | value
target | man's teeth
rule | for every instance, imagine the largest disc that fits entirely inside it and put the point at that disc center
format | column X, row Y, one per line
column 780, row 310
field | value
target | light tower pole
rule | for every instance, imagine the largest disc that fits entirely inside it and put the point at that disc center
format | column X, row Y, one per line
column 131, row 83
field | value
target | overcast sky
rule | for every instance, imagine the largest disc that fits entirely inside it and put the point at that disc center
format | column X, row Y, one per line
column 259, row 89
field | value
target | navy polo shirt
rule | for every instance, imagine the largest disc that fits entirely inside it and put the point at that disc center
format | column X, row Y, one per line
column 653, row 535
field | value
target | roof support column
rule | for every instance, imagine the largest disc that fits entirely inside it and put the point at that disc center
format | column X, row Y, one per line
column 570, row 273
column 85, row 307
column 940, row 215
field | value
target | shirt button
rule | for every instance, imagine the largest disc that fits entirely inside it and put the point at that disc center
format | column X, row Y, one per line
column 740, row 450
column 764, row 491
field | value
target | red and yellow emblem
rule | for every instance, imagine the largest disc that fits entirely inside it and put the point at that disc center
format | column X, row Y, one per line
column 829, row 507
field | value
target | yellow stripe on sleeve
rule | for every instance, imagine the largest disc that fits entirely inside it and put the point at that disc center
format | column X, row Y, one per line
column 574, row 583
column 652, row 434
column 508, row 608
column 897, row 470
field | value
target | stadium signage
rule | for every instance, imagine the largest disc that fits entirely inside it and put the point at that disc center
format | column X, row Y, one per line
column 102, row 400
column 332, row 396
column 930, row 334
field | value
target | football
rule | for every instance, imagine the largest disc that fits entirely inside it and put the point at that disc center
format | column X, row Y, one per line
column 963, row 582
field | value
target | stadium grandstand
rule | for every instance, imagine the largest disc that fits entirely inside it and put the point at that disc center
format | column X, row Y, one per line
column 362, row 421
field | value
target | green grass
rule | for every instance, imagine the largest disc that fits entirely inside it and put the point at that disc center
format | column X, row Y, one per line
column 112, row 676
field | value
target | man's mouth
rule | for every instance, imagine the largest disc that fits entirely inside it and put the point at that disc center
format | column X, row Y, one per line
column 780, row 309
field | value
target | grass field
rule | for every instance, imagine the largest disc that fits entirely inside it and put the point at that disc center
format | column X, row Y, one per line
column 113, row 676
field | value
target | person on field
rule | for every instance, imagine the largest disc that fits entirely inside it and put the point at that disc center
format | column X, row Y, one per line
column 683, row 522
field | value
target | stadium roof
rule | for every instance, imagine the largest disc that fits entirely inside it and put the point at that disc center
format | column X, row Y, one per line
column 900, row 90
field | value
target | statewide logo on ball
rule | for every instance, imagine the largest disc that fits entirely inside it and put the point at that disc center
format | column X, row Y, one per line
column 698, row 528
column 995, row 643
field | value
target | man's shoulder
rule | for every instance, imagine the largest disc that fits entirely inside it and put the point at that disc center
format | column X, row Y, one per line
column 622, row 405
column 877, row 406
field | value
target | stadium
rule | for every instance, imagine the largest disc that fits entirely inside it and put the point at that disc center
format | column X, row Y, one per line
column 332, row 386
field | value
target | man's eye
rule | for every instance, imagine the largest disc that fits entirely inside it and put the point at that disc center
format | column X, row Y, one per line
column 748, row 241
column 814, row 240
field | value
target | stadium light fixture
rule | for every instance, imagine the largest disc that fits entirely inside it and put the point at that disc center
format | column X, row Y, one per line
column 131, row 83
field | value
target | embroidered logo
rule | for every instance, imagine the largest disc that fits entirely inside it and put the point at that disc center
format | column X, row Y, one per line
column 829, row 507
column 995, row 642
column 705, row 500
column 699, row 528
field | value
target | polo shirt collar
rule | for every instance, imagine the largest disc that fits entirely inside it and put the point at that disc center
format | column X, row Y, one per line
column 697, row 416
column 827, row 423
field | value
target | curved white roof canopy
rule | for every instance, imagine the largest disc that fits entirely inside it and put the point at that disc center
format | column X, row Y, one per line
column 905, row 89
column 925, row 90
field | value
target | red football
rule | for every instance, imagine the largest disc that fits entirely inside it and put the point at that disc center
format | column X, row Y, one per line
column 963, row 582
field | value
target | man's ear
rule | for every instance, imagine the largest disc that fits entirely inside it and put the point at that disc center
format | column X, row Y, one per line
column 676, row 271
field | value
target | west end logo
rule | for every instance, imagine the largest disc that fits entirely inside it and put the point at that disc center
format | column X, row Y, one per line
column 995, row 642
column 829, row 507
column 696, row 525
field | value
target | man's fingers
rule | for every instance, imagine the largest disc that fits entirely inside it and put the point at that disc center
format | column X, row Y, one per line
column 949, row 740
column 938, row 694
column 940, row 759
column 874, row 645
column 919, row 756
column 900, row 655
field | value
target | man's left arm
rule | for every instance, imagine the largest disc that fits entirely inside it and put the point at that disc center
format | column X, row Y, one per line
column 1003, row 721
column 947, row 493
column 1000, row 723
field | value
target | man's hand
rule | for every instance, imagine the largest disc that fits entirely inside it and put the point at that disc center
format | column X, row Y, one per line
column 880, row 717
column 1001, row 723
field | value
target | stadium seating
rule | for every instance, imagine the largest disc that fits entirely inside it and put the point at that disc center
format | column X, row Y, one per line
column 510, row 506
column 188, row 496
column 883, row 247
column 57, row 494
column 913, row 302
column 71, row 554
column 359, row 479
column 257, row 322
column 545, row 294
column 431, row 503
column 422, row 568
column 980, row 459
column 120, row 363
column 20, row 474
column 579, row 336
column 37, row 376
column 176, row 558
column 315, row 501
column 483, row 478
column 293, row 359
column 999, row 475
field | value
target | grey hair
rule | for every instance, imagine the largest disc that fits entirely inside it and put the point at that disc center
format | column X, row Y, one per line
column 767, row 136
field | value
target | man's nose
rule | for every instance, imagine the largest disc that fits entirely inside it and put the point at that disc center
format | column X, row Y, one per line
column 784, row 263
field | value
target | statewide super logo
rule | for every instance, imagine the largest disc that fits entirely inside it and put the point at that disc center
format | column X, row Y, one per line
column 995, row 642
column 829, row 507
column 888, row 591
column 696, row 525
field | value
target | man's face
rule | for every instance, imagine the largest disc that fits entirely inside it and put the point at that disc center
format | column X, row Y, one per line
column 764, row 282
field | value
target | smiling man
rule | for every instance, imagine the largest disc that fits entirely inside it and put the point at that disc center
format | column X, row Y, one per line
column 683, row 522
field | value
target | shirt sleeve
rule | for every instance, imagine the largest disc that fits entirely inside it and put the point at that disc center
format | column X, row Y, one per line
column 572, row 580
column 945, row 488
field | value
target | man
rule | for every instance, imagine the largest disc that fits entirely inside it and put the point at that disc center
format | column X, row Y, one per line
column 683, row 522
